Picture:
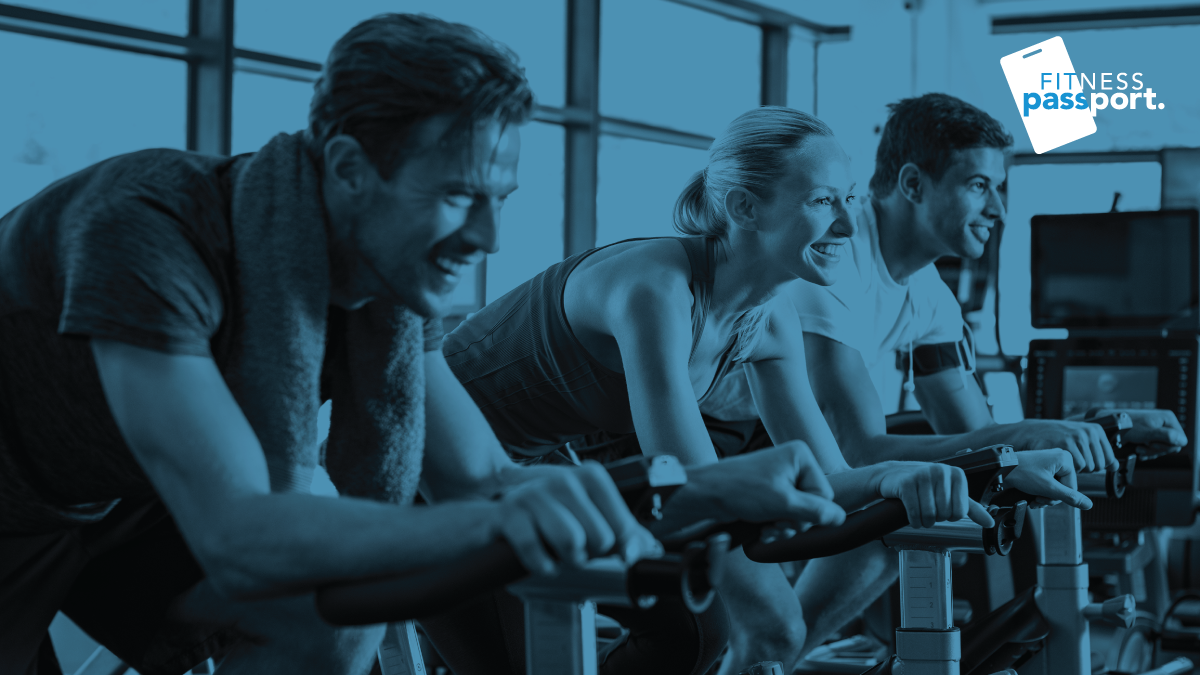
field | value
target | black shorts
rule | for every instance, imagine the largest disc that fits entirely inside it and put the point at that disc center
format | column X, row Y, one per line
column 116, row 579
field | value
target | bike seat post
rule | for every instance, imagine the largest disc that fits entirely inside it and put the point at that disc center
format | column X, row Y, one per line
column 560, row 637
column 1062, row 590
column 400, row 651
column 560, row 615
column 927, row 641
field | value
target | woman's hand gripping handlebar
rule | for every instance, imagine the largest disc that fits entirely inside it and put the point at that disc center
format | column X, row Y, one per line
column 787, row 491
column 998, row 487
column 916, row 493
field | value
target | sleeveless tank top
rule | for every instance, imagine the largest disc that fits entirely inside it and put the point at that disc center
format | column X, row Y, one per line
column 538, row 387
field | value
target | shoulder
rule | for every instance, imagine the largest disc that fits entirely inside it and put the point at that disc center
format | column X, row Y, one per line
column 768, row 331
column 651, row 273
column 162, row 167
column 154, row 183
column 932, row 298
column 653, row 258
column 927, row 288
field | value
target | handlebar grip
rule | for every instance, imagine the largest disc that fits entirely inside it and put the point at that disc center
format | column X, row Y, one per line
column 860, row 528
column 422, row 593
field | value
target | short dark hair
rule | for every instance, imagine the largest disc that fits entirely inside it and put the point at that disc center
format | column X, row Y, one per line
column 393, row 71
column 925, row 130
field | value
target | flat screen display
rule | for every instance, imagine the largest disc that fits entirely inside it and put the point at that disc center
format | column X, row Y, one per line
column 1135, row 269
column 1087, row 387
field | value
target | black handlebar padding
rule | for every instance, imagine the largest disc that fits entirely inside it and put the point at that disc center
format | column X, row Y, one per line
column 1010, row 497
column 422, row 593
column 860, row 528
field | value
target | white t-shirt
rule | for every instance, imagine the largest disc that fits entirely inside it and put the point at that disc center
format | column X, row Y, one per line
column 864, row 309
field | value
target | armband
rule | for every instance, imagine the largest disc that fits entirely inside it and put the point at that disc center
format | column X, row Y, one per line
column 930, row 359
column 934, row 358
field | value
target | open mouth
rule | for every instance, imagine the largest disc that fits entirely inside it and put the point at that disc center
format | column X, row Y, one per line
column 451, row 266
column 828, row 251
column 981, row 232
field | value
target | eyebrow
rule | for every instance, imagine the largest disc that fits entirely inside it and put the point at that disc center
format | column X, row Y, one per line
column 832, row 189
column 474, row 188
column 985, row 177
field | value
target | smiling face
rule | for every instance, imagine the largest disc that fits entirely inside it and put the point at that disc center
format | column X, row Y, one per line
column 412, row 236
column 961, row 208
column 810, row 216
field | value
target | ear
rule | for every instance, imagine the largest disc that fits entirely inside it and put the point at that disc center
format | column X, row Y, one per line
column 347, row 166
column 741, row 208
column 911, row 182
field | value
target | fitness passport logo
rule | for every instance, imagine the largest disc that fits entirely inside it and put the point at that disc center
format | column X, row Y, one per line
column 1057, row 104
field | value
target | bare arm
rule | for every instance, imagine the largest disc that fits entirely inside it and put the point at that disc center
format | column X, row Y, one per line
column 462, row 456
column 952, row 402
column 652, row 328
column 781, row 483
column 463, row 459
column 1156, row 428
column 851, row 406
column 188, row 434
column 778, row 377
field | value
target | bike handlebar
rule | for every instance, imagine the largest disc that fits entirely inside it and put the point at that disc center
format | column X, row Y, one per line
column 421, row 593
column 861, row 527
column 690, row 576
column 874, row 522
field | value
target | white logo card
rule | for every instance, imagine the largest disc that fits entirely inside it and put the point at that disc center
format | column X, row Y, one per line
column 1038, row 77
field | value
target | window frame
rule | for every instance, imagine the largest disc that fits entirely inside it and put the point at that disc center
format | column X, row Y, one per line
column 212, row 58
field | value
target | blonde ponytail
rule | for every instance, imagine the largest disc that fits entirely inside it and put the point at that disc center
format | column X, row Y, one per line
column 692, row 213
column 751, row 154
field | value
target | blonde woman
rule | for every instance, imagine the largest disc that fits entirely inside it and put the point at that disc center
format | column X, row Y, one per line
column 627, row 340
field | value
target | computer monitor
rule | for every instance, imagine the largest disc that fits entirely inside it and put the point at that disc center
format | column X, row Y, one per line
column 1069, row 377
column 1120, row 387
column 1137, row 269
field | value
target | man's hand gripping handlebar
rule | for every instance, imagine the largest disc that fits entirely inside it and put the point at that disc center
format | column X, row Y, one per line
column 1119, row 427
column 644, row 483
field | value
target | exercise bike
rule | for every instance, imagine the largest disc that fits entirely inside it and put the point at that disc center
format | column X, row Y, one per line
column 560, row 611
column 1044, row 630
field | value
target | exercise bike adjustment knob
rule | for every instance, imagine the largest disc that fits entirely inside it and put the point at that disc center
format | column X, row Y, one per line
column 647, row 482
column 1119, row 611
column 1010, row 523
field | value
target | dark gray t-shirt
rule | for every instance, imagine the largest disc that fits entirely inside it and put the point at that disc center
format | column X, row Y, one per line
column 137, row 249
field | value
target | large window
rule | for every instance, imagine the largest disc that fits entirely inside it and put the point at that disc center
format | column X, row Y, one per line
column 80, row 105
column 164, row 16
column 264, row 106
column 653, row 80
column 672, row 65
column 639, row 182
column 307, row 30
column 531, row 228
